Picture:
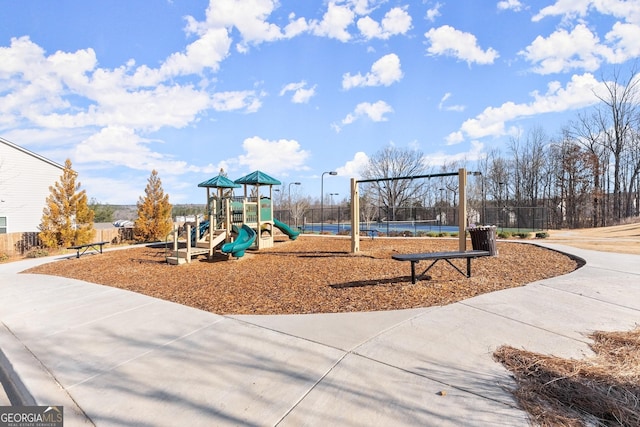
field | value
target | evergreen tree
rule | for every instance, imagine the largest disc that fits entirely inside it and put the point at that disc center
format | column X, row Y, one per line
column 67, row 219
column 102, row 213
column 154, row 212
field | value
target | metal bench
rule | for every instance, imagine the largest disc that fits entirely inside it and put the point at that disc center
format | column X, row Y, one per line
column 437, row 256
column 81, row 249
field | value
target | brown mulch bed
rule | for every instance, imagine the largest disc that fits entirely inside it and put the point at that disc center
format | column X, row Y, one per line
column 314, row 275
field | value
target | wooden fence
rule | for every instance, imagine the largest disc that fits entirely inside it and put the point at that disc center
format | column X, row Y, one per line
column 20, row 243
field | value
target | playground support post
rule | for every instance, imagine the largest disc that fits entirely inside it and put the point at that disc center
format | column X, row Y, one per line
column 462, row 206
column 355, row 217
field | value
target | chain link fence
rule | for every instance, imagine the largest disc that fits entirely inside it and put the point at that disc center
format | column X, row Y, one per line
column 337, row 220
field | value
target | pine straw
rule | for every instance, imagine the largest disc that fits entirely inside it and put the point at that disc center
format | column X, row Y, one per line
column 603, row 390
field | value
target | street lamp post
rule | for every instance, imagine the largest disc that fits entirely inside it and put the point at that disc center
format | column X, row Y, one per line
column 441, row 203
column 322, row 198
column 291, row 210
column 331, row 201
column 504, row 205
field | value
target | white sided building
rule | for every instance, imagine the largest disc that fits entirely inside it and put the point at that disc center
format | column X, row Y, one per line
column 25, row 178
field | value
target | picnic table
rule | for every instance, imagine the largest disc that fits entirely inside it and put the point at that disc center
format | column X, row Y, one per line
column 96, row 247
column 437, row 256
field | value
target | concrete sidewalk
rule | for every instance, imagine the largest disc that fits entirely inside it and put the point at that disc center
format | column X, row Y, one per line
column 116, row 358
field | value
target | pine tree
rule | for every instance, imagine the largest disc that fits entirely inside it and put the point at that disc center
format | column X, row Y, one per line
column 67, row 219
column 154, row 212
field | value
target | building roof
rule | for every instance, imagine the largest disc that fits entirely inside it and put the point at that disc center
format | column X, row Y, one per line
column 30, row 153
column 219, row 182
column 257, row 178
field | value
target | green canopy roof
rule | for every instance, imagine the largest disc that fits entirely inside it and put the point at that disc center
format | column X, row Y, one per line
column 257, row 178
column 219, row 182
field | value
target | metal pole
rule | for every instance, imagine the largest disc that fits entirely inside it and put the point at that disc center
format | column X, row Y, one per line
column 322, row 198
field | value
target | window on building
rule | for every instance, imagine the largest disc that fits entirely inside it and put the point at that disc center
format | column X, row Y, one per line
column 3, row 225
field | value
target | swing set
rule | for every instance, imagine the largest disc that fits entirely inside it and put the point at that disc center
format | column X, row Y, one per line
column 462, row 205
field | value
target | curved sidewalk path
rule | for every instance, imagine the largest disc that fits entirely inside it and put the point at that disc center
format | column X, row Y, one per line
column 116, row 358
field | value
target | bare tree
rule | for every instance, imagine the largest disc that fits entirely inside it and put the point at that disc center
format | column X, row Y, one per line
column 394, row 162
column 528, row 161
column 617, row 116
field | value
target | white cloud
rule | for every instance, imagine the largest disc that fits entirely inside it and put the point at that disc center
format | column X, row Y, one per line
column 363, row 7
column 301, row 94
column 273, row 157
column 396, row 21
column 246, row 100
column 434, row 12
column 514, row 5
column 442, row 106
column 206, row 52
column 354, row 167
column 384, row 72
column 121, row 146
column 570, row 9
column 375, row 112
column 295, row 27
column 334, row 23
column 578, row 93
column 249, row 17
column 34, row 84
column 446, row 40
column 439, row 158
column 563, row 51
column 623, row 39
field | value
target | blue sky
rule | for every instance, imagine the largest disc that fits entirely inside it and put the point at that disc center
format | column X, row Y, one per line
column 293, row 88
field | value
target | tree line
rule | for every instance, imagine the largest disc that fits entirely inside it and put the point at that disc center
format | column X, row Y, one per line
column 587, row 176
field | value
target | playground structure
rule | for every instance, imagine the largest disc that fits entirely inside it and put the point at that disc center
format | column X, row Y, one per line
column 462, row 206
column 232, row 224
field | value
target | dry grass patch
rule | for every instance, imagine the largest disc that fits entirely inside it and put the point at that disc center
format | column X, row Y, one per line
column 603, row 390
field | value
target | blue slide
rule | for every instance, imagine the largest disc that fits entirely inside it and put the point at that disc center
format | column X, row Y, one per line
column 293, row 235
column 246, row 237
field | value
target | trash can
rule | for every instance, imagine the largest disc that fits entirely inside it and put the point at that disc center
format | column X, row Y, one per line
column 483, row 238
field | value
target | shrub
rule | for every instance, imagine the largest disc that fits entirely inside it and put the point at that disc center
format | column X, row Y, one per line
column 523, row 235
column 542, row 235
column 3, row 257
column 432, row 234
column 37, row 253
column 504, row 234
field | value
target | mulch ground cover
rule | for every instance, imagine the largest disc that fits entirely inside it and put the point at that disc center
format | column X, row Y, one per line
column 314, row 274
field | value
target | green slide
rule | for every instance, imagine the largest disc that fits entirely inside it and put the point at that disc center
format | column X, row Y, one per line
column 293, row 235
column 246, row 237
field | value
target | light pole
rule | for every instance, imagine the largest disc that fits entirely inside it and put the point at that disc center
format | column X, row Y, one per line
column 331, row 201
column 441, row 203
column 504, row 205
column 291, row 210
column 322, row 198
